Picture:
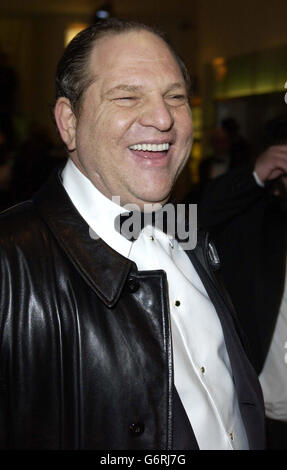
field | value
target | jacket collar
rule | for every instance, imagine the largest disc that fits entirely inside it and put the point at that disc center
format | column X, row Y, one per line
column 104, row 269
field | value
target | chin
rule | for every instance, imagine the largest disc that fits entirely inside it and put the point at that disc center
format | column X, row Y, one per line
column 155, row 198
column 152, row 192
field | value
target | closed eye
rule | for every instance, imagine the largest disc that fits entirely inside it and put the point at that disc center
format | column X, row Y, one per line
column 126, row 100
column 176, row 100
column 177, row 97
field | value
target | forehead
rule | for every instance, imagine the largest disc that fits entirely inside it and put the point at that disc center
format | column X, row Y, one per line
column 134, row 54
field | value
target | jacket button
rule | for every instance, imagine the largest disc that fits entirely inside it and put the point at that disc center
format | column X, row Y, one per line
column 132, row 285
column 136, row 429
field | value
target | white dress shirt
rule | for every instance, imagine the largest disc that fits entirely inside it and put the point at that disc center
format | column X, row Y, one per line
column 202, row 372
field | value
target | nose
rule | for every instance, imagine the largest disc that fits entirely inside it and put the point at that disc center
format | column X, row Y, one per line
column 157, row 114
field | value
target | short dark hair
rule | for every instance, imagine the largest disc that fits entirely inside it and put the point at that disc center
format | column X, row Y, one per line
column 275, row 131
column 72, row 77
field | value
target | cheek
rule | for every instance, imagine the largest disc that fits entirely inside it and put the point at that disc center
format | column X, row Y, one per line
column 113, row 126
column 187, row 126
column 184, row 127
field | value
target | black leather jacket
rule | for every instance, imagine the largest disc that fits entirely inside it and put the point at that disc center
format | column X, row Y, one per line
column 86, row 358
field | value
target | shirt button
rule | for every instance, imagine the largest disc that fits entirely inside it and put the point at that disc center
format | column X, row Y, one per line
column 202, row 370
column 136, row 429
column 231, row 436
column 132, row 285
column 152, row 238
column 177, row 303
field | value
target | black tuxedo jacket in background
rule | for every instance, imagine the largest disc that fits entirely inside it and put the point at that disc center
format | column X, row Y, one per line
column 249, row 228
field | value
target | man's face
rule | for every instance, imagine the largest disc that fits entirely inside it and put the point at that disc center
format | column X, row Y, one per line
column 134, row 132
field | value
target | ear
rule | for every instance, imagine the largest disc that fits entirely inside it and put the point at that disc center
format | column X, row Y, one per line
column 66, row 122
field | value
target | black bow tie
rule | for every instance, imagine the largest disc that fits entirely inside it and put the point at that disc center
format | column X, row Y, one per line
column 130, row 224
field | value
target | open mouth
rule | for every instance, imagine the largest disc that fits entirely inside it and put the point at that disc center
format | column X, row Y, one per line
column 151, row 147
column 150, row 151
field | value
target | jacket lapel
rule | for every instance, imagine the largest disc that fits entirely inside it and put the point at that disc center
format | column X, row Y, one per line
column 104, row 269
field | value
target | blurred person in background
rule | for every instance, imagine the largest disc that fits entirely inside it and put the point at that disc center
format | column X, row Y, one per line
column 34, row 161
column 239, row 149
column 228, row 150
column 246, row 213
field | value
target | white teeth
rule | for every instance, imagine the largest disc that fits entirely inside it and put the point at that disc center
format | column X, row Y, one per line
column 150, row 147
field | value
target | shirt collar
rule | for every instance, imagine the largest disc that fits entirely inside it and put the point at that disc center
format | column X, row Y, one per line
column 96, row 209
